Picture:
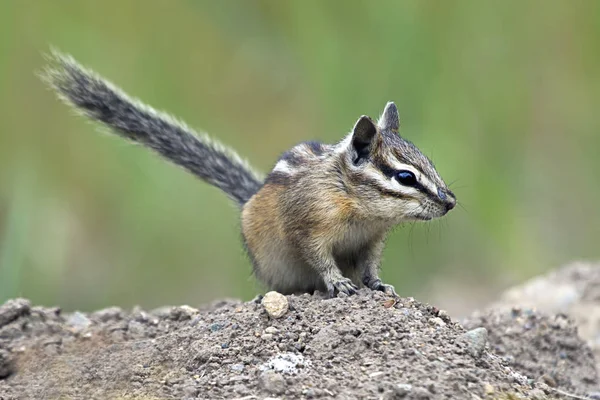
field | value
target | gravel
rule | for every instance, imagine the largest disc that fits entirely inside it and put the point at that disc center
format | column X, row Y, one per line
column 365, row 346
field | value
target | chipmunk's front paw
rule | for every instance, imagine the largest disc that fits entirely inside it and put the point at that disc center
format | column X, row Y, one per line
column 344, row 285
column 376, row 284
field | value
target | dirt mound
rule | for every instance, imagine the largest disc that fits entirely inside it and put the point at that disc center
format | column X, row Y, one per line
column 545, row 348
column 358, row 347
column 573, row 290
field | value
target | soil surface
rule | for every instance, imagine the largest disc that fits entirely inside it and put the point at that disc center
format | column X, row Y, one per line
column 573, row 290
column 541, row 347
column 358, row 347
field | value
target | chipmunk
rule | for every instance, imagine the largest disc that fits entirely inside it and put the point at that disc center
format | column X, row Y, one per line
column 319, row 219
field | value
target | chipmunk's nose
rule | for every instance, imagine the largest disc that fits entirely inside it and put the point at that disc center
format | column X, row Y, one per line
column 448, row 198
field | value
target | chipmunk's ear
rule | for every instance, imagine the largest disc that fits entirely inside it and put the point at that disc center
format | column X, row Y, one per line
column 363, row 137
column 389, row 120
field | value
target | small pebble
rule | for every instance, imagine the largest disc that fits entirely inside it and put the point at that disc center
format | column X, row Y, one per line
column 182, row 313
column 488, row 389
column 405, row 387
column 271, row 329
column 190, row 391
column 272, row 382
column 13, row 309
column 136, row 328
column 437, row 321
column 399, row 391
column 548, row 380
column 237, row 367
column 21, row 349
column 422, row 393
column 108, row 314
column 275, row 304
column 78, row 321
column 476, row 340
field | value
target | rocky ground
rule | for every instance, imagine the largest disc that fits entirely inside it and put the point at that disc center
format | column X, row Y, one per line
column 573, row 290
column 359, row 347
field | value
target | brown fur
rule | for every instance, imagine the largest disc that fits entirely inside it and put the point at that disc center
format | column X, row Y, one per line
column 320, row 220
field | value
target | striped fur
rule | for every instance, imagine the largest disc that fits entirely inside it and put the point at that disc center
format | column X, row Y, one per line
column 319, row 220
column 98, row 99
column 324, row 212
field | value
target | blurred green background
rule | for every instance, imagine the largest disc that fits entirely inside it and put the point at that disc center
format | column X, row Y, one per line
column 503, row 96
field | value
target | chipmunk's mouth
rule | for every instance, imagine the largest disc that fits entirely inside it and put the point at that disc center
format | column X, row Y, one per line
column 430, row 210
column 424, row 217
column 432, row 214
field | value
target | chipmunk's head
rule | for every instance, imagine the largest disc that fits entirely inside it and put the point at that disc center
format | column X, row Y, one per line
column 390, row 175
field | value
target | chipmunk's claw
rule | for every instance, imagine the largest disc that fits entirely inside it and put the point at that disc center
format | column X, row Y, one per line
column 345, row 286
column 388, row 289
column 376, row 284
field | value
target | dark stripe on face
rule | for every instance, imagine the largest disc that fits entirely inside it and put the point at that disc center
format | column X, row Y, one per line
column 426, row 192
column 386, row 169
column 361, row 180
column 391, row 173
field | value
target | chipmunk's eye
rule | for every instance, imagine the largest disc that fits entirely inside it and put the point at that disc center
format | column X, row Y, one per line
column 406, row 178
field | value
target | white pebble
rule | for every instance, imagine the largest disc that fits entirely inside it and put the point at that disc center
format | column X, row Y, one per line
column 271, row 329
column 437, row 321
column 275, row 304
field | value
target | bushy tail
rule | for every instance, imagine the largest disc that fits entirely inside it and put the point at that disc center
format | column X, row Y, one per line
column 101, row 101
